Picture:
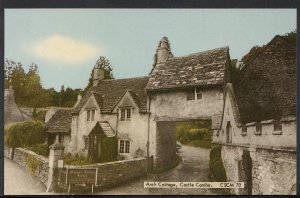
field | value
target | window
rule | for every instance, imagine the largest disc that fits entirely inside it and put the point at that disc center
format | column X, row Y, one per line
column 277, row 126
column 122, row 114
column 190, row 95
column 88, row 118
column 61, row 138
column 196, row 94
column 124, row 146
column 127, row 112
column 258, row 128
column 228, row 133
column 93, row 115
column 244, row 129
column 86, row 142
column 90, row 114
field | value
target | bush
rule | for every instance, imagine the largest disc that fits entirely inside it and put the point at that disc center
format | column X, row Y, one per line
column 216, row 166
column 24, row 134
column 194, row 133
column 32, row 163
column 78, row 160
column 40, row 116
column 41, row 149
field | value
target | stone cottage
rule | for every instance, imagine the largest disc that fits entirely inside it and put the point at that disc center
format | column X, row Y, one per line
column 141, row 112
column 258, row 129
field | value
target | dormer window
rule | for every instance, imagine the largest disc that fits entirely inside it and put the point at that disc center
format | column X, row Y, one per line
column 196, row 94
column 125, row 114
column 90, row 114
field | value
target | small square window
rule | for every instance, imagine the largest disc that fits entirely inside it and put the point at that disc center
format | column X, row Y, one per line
column 277, row 126
column 258, row 127
column 124, row 146
column 190, row 95
column 198, row 94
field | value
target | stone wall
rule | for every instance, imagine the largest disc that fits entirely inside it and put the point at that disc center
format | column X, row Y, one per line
column 41, row 172
column 113, row 173
column 8, row 152
column 274, row 172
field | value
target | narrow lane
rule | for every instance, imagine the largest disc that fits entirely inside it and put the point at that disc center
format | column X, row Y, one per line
column 193, row 168
column 18, row 181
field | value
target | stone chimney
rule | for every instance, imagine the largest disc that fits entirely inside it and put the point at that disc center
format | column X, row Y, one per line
column 163, row 52
column 98, row 74
column 78, row 100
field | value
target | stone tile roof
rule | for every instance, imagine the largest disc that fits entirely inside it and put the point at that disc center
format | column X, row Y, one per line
column 200, row 69
column 106, row 128
column 109, row 92
column 60, row 122
column 266, row 86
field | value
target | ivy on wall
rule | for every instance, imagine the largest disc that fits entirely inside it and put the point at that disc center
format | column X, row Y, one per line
column 109, row 149
column 32, row 164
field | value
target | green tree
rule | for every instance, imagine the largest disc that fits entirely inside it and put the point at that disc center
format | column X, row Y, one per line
column 103, row 63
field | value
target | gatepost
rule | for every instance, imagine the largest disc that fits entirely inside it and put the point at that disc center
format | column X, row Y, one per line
column 56, row 153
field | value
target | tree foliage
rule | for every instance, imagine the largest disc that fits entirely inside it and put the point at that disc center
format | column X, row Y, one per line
column 105, row 64
column 24, row 134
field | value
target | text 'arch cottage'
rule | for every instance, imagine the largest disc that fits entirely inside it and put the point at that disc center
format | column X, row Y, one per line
column 138, row 115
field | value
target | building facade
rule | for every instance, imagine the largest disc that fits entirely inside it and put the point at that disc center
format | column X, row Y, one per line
column 258, row 128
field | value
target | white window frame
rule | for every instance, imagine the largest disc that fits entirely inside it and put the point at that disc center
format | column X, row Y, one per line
column 126, row 110
column 90, row 114
column 196, row 92
column 124, row 149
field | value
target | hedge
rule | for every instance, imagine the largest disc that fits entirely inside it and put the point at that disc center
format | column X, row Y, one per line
column 24, row 134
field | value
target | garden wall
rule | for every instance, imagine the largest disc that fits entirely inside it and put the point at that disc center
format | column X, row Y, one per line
column 36, row 164
column 8, row 152
column 113, row 173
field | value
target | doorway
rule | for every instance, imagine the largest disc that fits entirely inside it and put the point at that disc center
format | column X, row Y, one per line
column 245, row 172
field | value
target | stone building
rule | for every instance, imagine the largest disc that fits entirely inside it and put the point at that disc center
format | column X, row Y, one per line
column 12, row 113
column 258, row 128
column 142, row 112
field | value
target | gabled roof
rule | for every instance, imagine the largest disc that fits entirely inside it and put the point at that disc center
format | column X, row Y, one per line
column 200, row 69
column 266, row 88
column 104, row 127
column 109, row 92
column 60, row 122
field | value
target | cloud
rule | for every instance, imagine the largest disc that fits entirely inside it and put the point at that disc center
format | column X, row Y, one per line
column 62, row 48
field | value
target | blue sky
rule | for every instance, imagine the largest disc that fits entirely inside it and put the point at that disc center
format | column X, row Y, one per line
column 66, row 43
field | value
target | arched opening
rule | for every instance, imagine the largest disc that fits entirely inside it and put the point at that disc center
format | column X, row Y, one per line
column 228, row 133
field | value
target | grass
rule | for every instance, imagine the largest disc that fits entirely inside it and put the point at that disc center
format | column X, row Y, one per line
column 78, row 160
column 200, row 143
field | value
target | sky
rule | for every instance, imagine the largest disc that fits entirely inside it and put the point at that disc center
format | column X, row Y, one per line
column 66, row 43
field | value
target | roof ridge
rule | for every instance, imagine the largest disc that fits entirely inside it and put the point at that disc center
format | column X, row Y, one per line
column 139, row 77
column 196, row 53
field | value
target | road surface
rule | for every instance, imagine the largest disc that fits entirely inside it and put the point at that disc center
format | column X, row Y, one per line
column 193, row 168
column 18, row 181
